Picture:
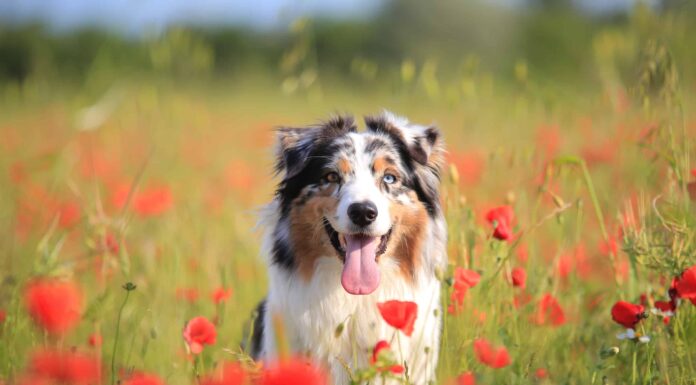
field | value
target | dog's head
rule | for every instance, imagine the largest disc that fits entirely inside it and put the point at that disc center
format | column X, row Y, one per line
column 358, row 196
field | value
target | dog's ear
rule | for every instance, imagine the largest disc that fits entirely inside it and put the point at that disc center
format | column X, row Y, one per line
column 423, row 144
column 424, row 149
column 295, row 145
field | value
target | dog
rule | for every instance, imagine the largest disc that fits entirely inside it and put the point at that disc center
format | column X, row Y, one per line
column 356, row 220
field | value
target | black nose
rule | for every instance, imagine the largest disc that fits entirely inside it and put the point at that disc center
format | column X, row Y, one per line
column 362, row 213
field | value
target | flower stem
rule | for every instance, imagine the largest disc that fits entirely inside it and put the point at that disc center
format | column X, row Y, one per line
column 128, row 287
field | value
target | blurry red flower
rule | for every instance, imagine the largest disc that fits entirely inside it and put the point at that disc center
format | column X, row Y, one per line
column 198, row 332
column 65, row 367
column 189, row 294
column 541, row 373
column 665, row 306
column 518, row 277
column 69, row 214
column 380, row 346
column 465, row 277
column 3, row 315
column 487, row 355
column 549, row 311
column 502, row 219
column 231, row 374
column 466, row 378
column 686, row 285
column 469, row 165
column 627, row 314
column 143, row 379
column 95, row 340
column 399, row 314
column 54, row 305
column 221, row 295
column 153, row 201
column 111, row 243
column 295, row 371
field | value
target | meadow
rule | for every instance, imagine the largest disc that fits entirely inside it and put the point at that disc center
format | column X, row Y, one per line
column 132, row 204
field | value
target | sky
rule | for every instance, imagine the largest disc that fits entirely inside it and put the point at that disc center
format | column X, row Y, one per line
column 141, row 16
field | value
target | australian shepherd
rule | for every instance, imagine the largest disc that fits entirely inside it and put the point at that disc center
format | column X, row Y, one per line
column 356, row 220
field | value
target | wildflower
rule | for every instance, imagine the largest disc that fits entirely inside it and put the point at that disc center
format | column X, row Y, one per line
column 399, row 314
column 631, row 334
column 463, row 280
column 550, row 311
column 65, row 367
column 95, row 340
column 69, row 213
column 627, row 314
column 541, row 373
column 379, row 350
column 518, row 277
column 198, row 332
column 231, row 374
column 466, row 378
column 143, row 379
column 188, row 294
column 3, row 316
column 54, row 305
column 686, row 285
column 502, row 219
column 294, row 371
column 153, row 201
column 487, row 355
column 221, row 295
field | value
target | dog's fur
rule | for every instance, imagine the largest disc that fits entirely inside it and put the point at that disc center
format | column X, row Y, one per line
column 305, row 264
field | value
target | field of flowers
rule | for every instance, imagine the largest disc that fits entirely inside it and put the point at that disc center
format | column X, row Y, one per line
column 129, row 253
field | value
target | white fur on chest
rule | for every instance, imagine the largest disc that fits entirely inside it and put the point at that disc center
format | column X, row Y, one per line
column 312, row 311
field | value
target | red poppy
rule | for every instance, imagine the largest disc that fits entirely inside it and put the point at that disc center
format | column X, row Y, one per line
column 3, row 316
column 466, row 378
column 221, row 295
column 518, row 277
column 95, row 340
column 541, row 373
column 487, row 355
column 188, row 294
column 295, row 371
column 465, row 277
column 399, row 314
column 153, row 201
column 198, row 332
column 379, row 347
column 502, row 219
column 549, row 311
column 627, row 314
column 54, row 305
column 665, row 306
column 231, row 374
column 69, row 214
column 143, row 379
column 686, row 285
column 65, row 367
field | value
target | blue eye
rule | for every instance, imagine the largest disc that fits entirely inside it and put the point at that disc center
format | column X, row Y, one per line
column 389, row 178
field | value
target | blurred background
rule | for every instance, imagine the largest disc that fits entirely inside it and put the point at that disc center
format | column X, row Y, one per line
column 136, row 135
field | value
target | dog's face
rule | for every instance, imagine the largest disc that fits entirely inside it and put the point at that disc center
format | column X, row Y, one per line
column 358, row 197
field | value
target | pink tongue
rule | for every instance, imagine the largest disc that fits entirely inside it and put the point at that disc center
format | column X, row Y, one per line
column 360, row 271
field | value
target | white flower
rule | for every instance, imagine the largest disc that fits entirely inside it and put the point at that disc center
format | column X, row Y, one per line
column 631, row 334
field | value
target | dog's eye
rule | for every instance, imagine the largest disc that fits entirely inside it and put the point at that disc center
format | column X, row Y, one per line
column 332, row 177
column 389, row 178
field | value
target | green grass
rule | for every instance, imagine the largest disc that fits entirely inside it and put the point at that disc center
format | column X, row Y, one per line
column 211, row 144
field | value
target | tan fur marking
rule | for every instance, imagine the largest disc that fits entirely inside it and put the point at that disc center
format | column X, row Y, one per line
column 408, row 237
column 307, row 232
column 380, row 164
column 344, row 166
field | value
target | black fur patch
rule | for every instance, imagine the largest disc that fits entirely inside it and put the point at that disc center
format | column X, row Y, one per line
column 257, row 333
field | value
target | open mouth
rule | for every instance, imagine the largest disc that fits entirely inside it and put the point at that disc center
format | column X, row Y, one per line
column 359, row 253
